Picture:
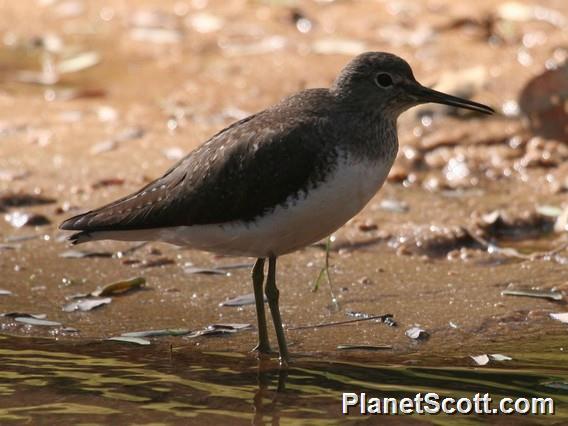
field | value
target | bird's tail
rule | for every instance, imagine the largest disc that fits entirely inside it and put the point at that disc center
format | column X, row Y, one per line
column 81, row 237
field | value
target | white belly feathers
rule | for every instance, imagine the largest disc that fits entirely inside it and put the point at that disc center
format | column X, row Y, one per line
column 298, row 223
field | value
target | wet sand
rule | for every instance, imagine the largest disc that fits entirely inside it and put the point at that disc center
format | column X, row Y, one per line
column 171, row 74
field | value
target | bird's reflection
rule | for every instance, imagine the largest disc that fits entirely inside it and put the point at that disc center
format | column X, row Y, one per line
column 265, row 401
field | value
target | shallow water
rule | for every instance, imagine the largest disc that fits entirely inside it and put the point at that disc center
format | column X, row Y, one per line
column 48, row 382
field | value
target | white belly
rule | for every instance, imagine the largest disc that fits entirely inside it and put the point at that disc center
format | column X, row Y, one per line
column 302, row 222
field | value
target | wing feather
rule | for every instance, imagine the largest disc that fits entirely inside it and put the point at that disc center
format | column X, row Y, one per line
column 241, row 172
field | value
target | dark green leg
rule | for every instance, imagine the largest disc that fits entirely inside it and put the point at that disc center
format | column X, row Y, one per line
column 263, row 346
column 272, row 295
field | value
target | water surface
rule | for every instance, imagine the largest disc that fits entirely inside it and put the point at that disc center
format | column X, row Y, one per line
column 48, row 382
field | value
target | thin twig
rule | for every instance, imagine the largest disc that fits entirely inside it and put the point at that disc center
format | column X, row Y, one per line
column 325, row 271
column 330, row 324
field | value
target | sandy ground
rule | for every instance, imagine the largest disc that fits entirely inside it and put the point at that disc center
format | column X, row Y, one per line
column 469, row 210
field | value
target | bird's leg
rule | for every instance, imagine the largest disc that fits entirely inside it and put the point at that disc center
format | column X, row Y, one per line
column 263, row 346
column 272, row 295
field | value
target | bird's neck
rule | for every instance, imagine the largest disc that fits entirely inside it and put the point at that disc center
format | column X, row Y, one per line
column 372, row 137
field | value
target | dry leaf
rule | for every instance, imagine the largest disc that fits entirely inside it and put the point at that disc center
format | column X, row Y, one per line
column 85, row 305
column 120, row 287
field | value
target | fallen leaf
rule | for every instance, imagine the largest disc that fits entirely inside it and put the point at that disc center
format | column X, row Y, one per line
column 23, row 315
column 543, row 294
column 232, row 325
column 21, row 199
column 154, row 263
column 136, row 340
column 500, row 357
column 232, row 266
column 363, row 347
column 206, row 271
column 480, row 359
column 78, row 62
column 560, row 316
column 80, row 254
column 220, row 329
column 36, row 321
column 244, row 300
column 120, row 287
column 85, row 305
column 158, row 333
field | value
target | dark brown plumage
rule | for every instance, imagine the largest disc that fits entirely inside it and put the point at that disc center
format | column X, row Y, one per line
column 277, row 180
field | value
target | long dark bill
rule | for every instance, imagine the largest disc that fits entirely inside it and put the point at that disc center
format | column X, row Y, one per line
column 425, row 94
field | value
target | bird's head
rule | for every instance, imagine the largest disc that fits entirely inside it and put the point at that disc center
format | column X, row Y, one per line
column 385, row 83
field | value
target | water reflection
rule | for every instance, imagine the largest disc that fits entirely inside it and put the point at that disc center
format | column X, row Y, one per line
column 49, row 382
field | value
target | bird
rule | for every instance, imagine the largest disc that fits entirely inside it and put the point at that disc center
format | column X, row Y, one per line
column 278, row 180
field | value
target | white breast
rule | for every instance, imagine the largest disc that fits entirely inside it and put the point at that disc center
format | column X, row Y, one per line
column 298, row 223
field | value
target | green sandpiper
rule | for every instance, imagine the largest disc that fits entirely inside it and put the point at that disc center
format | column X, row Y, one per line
column 278, row 180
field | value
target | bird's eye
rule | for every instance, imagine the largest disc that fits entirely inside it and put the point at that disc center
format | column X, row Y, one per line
column 383, row 80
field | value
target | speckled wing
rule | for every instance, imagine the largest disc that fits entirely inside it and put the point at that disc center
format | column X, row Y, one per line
column 242, row 172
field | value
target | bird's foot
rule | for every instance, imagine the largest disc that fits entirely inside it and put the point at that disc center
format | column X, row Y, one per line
column 267, row 352
column 263, row 349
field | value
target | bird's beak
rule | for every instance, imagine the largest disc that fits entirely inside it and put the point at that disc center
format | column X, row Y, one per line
column 424, row 95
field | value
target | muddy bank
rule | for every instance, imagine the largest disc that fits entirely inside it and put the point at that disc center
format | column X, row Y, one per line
column 97, row 100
